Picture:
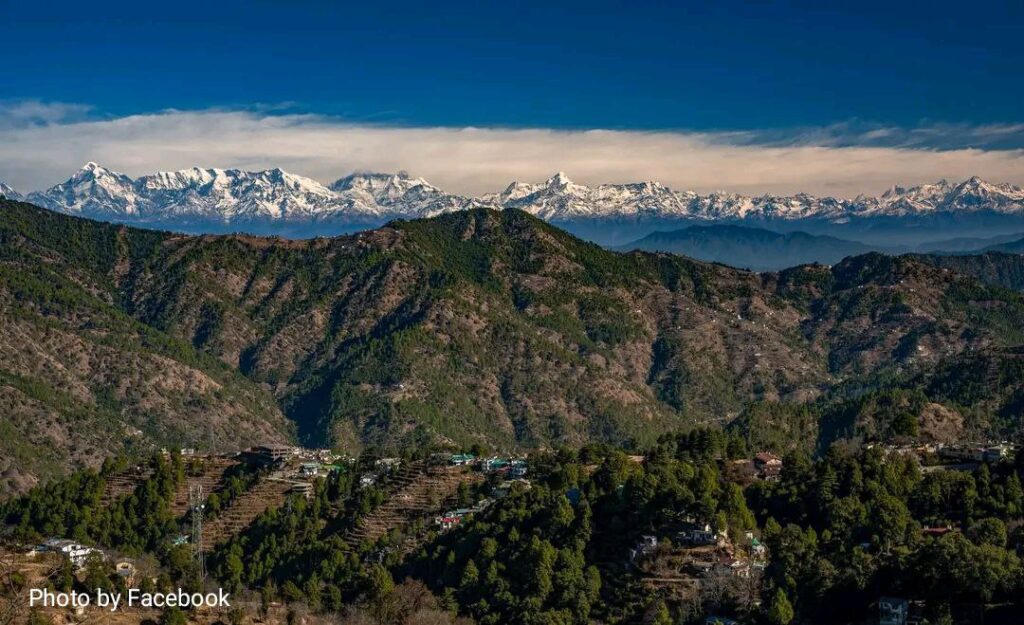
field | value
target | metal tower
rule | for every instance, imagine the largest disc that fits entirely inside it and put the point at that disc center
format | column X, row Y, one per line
column 196, row 504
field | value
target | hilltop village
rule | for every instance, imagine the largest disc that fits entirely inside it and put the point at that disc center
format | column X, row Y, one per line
column 189, row 517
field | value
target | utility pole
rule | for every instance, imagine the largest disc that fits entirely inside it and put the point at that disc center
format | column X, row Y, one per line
column 197, row 504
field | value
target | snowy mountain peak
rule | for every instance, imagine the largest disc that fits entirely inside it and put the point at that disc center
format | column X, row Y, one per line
column 559, row 180
column 8, row 192
column 94, row 190
column 514, row 191
column 95, row 171
column 894, row 191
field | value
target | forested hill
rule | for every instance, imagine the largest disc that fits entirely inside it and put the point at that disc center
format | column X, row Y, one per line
column 473, row 326
column 80, row 379
column 993, row 267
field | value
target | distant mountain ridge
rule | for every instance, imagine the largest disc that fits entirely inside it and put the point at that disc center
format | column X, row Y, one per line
column 968, row 244
column 1012, row 247
column 235, row 197
column 753, row 248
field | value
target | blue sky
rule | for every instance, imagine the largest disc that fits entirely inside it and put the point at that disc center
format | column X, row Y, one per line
column 845, row 74
column 592, row 64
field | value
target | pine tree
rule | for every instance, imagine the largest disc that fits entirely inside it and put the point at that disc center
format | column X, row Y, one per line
column 661, row 615
column 780, row 611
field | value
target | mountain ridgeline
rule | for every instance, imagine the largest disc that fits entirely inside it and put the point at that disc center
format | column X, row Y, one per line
column 474, row 326
column 204, row 201
column 752, row 248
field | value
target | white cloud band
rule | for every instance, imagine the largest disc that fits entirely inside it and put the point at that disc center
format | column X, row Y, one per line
column 40, row 146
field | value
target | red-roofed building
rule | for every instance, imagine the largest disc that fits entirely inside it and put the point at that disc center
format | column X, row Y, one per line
column 768, row 465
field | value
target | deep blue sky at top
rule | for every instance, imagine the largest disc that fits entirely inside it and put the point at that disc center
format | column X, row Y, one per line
column 719, row 65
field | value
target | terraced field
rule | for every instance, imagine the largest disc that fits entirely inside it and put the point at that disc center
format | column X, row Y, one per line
column 211, row 477
column 266, row 494
column 418, row 492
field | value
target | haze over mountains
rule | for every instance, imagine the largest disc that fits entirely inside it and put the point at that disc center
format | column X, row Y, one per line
column 278, row 202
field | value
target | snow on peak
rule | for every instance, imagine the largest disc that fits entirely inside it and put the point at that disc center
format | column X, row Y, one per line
column 559, row 198
column 93, row 167
column 559, row 180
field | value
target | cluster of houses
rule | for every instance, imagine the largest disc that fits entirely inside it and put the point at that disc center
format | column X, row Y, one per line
column 381, row 467
column 311, row 470
column 990, row 452
column 730, row 563
column 515, row 468
column 461, row 460
column 298, row 465
column 709, row 552
column 452, row 518
column 697, row 535
column 271, row 453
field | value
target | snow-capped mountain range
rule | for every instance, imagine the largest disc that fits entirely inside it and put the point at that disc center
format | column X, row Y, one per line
column 230, row 196
column 561, row 199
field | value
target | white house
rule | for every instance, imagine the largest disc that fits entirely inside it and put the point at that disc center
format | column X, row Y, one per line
column 518, row 469
column 697, row 535
column 76, row 552
column 647, row 544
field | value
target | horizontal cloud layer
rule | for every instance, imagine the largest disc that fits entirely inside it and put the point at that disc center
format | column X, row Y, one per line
column 41, row 144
